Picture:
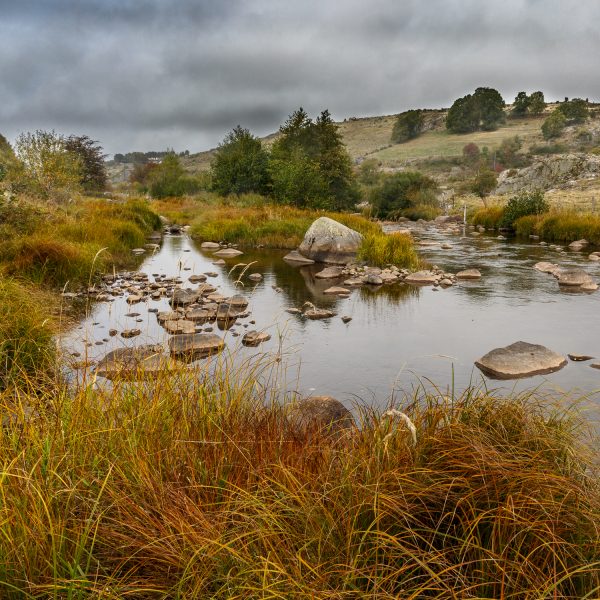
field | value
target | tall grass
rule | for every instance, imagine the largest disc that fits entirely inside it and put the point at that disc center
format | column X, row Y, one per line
column 393, row 249
column 266, row 225
column 197, row 487
column 489, row 217
column 26, row 330
column 561, row 226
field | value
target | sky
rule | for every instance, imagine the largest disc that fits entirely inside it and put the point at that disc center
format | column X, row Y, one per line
column 156, row 74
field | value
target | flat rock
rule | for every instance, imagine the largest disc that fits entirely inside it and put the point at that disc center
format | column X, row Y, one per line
column 196, row 278
column 179, row 326
column 200, row 315
column 210, row 245
column 421, row 278
column 295, row 257
column 129, row 333
column 195, row 345
column 573, row 277
column 133, row 363
column 255, row 276
column 579, row 357
column 518, row 360
column 184, row 297
column 238, row 302
column 318, row 313
column 330, row 273
column 546, row 267
column 335, row 290
column 228, row 252
column 328, row 241
column 469, row 274
column 255, row 338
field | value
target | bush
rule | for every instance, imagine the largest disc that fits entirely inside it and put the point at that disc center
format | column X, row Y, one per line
column 553, row 126
column 548, row 149
column 169, row 179
column 574, row 111
column 426, row 212
column 401, row 191
column 482, row 110
column 524, row 203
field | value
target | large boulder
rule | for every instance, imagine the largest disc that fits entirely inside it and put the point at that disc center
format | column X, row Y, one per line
column 518, row 360
column 319, row 413
column 330, row 242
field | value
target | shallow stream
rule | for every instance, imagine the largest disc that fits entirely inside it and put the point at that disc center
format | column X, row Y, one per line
column 400, row 335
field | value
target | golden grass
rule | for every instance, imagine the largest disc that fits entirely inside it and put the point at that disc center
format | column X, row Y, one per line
column 197, row 487
column 393, row 249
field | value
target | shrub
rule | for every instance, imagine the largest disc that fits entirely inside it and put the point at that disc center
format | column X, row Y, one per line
column 574, row 111
column 471, row 154
column 401, row 191
column 524, row 203
column 548, row 149
column 380, row 250
column 484, row 182
column 426, row 212
column 553, row 126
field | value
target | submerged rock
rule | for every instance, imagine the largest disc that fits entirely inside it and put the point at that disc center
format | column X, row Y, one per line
column 518, row 360
column 579, row 357
column 295, row 257
column 336, row 290
column 330, row 242
column 133, row 363
column 330, row 273
column 469, row 274
column 574, row 278
column 228, row 253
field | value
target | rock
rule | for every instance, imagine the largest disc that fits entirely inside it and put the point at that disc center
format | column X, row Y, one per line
column 179, row 326
column 195, row 345
column 468, row 274
column 330, row 273
column 330, row 242
column 169, row 315
column 197, row 278
column 238, row 302
column 228, row 252
column 353, row 282
column 293, row 311
column 595, row 365
column 129, row 333
column 112, row 332
column 175, row 229
column 153, row 247
column 546, row 267
column 255, row 276
column 318, row 313
column 335, row 290
column 446, row 282
column 255, row 338
column 210, row 246
column 346, row 319
column 218, row 263
column 319, row 413
column 518, row 360
column 421, row 278
column 226, row 313
column 573, row 277
column 134, row 299
column 373, row 279
column 200, row 315
column 589, row 287
column 184, row 297
column 296, row 257
column 446, row 247
column 133, row 363
column 579, row 357
column 138, row 251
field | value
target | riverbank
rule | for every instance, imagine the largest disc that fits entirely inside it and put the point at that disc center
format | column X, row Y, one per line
column 200, row 486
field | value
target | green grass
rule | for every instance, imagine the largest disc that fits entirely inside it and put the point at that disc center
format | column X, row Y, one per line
column 380, row 250
column 196, row 487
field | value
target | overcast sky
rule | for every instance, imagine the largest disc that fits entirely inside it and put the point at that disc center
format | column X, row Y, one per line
column 151, row 74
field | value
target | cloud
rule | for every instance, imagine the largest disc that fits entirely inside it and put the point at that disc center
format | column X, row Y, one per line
column 147, row 74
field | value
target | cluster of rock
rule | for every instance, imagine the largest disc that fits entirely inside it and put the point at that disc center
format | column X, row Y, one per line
column 569, row 278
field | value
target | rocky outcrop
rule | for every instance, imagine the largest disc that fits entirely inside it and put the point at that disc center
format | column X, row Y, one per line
column 549, row 172
column 519, row 360
column 328, row 241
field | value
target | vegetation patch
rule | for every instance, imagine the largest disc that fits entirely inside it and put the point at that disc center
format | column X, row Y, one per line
column 381, row 250
column 561, row 226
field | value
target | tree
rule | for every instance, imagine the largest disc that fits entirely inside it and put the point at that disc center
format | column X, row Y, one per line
column 508, row 152
column 49, row 168
column 484, row 183
column 169, row 179
column 240, row 164
column 403, row 190
column 574, row 111
column 482, row 110
column 553, row 126
column 91, row 157
column 408, row 126
column 309, row 164
column 537, row 103
column 521, row 105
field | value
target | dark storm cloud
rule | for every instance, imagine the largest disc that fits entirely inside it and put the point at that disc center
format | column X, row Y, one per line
column 141, row 74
